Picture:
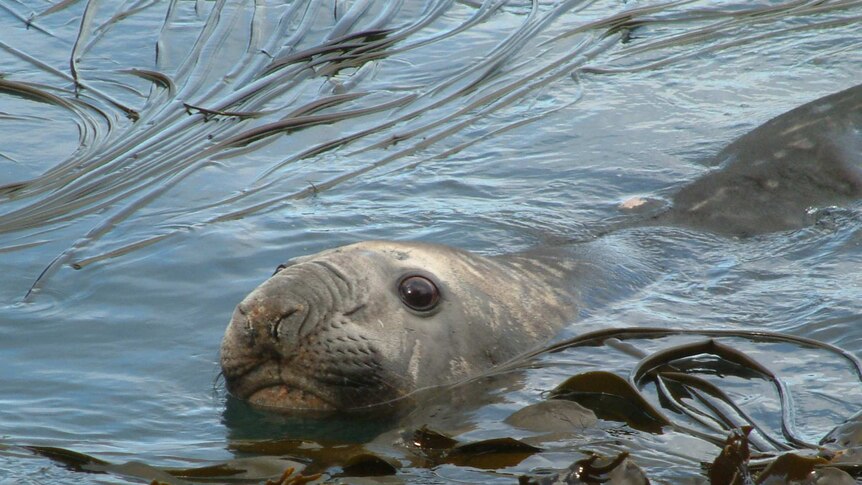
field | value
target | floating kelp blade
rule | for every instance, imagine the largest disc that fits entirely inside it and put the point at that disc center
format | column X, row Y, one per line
column 428, row 439
column 694, row 387
column 664, row 358
column 317, row 457
column 354, row 43
column 553, row 416
column 733, row 466
column 489, row 454
column 595, row 469
column 599, row 338
column 651, row 365
column 613, row 398
column 71, row 459
column 368, row 465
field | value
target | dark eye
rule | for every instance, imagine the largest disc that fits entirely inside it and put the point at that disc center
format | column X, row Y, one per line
column 419, row 293
column 279, row 268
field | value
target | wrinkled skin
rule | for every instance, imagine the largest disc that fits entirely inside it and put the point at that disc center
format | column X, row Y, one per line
column 330, row 331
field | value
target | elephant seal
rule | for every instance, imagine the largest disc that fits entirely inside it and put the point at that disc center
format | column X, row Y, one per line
column 374, row 321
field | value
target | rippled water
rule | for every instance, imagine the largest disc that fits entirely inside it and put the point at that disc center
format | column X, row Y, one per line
column 159, row 159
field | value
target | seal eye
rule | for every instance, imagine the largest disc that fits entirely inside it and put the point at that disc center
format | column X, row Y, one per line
column 279, row 268
column 419, row 293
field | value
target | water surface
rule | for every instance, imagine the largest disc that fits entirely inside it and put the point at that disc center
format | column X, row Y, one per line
column 159, row 159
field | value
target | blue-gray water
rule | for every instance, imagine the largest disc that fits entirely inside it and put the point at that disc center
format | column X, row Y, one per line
column 490, row 126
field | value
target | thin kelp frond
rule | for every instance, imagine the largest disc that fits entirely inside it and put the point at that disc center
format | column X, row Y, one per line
column 654, row 366
column 155, row 118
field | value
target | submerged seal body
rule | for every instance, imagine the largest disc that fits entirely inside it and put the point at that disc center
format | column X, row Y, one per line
column 372, row 322
column 768, row 179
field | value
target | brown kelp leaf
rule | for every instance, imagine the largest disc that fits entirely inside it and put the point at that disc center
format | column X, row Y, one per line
column 491, row 454
column 611, row 397
column 495, row 445
column 553, row 415
column 298, row 122
column 32, row 92
column 251, row 468
column 81, row 462
column 619, row 470
column 731, row 465
column 222, row 470
column 348, row 43
column 156, row 77
column 320, row 456
column 664, row 357
column 367, row 465
column 71, row 459
column 355, row 460
column 273, row 447
column 428, row 439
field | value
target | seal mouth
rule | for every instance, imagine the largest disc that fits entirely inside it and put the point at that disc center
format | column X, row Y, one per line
column 267, row 385
column 284, row 397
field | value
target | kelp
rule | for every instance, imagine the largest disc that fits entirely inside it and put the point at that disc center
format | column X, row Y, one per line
column 648, row 370
column 253, row 470
column 672, row 372
column 747, row 453
column 135, row 149
column 733, row 466
column 594, row 469
column 613, row 398
column 435, row 448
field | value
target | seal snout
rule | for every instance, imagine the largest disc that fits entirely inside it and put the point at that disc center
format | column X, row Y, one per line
column 297, row 341
column 258, row 315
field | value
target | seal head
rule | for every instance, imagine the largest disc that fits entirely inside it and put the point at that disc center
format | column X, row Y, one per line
column 372, row 322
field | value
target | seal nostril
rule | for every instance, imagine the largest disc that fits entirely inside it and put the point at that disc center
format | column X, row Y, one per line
column 242, row 309
column 275, row 330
